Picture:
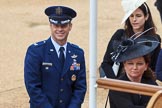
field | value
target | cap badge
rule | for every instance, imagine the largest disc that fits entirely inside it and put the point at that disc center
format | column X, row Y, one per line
column 58, row 11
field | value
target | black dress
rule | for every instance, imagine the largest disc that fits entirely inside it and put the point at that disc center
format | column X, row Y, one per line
column 129, row 100
column 116, row 39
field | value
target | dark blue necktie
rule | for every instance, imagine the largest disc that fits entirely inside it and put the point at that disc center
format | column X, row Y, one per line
column 61, row 56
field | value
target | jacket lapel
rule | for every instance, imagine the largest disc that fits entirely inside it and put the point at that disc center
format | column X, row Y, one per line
column 52, row 54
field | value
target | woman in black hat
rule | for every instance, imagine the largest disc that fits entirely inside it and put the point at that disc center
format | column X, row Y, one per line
column 134, row 54
column 137, row 19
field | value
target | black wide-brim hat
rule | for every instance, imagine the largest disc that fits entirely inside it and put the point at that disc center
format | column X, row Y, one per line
column 134, row 47
column 60, row 14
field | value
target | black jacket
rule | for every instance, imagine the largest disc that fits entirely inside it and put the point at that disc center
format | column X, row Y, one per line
column 129, row 100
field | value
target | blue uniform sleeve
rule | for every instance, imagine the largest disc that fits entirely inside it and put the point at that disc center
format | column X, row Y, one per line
column 159, row 67
column 32, row 77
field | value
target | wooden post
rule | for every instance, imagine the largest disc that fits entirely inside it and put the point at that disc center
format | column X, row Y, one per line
column 126, row 86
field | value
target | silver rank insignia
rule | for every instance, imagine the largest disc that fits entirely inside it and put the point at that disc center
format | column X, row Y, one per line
column 74, row 56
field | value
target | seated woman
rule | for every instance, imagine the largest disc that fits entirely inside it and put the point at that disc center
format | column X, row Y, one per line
column 134, row 54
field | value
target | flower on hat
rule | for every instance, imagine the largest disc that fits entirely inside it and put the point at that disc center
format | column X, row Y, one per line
column 135, row 46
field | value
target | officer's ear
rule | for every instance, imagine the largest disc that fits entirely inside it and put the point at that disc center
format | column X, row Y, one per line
column 70, row 24
column 50, row 24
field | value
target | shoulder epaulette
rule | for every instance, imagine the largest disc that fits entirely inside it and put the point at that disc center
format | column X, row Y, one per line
column 74, row 45
column 39, row 43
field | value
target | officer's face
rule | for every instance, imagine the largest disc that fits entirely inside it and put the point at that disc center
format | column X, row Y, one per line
column 60, row 32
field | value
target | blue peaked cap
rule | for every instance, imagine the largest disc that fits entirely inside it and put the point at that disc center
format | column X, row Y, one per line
column 60, row 14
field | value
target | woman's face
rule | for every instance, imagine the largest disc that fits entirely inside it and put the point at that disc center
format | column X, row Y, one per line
column 135, row 68
column 137, row 20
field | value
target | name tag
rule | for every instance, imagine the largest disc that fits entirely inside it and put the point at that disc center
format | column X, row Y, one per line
column 46, row 64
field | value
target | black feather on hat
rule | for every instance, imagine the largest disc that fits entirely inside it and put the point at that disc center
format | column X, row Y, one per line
column 134, row 47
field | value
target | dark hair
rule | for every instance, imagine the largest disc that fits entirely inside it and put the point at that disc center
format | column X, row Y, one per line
column 149, row 74
column 148, row 24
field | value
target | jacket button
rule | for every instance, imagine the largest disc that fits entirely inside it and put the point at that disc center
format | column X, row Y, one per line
column 62, row 79
column 61, row 90
column 60, row 101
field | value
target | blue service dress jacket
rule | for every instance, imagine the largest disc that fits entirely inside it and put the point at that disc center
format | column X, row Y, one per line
column 47, row 84
column 159, row 66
